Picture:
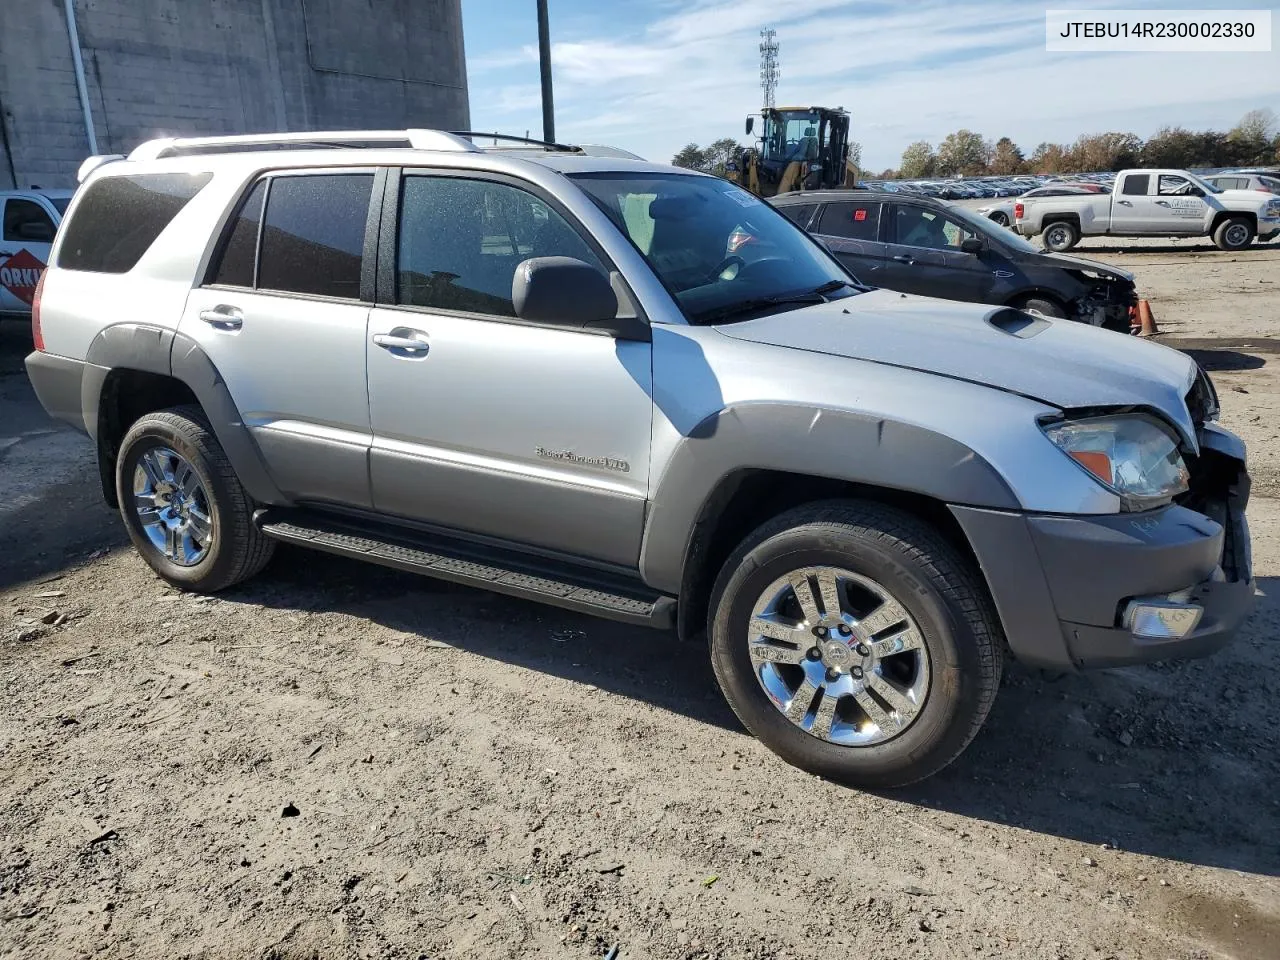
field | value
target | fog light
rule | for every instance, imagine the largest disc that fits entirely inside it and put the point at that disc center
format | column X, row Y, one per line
column 1162, row 618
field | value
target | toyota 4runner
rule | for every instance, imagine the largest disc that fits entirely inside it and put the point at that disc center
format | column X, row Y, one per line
column 639, row 393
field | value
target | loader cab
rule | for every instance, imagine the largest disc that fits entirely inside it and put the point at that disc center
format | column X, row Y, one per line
column 813, row 139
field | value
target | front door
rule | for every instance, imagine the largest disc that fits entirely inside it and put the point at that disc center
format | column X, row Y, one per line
column 26, row 237
column 1177, row 207
column 282, row 319
column 851, row 230
column 487, row 424
column 925, row 255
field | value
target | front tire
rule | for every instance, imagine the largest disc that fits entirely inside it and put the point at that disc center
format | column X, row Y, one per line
column 909, row 650
column 1042, row 306
column 1235, row 233
column 183, row 505
column 1060, row 236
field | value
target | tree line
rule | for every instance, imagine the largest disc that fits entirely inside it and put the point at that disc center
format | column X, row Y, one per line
column 1254, row 141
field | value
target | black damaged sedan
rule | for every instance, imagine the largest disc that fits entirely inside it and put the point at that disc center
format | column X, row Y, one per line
column 924, row 246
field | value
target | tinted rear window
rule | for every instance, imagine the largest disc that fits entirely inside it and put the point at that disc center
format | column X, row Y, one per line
column 118, row 218
column 1135, row 185
column 856, row 221
column 313, row 240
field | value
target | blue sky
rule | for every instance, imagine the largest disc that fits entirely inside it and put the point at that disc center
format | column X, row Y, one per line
column 652, row 75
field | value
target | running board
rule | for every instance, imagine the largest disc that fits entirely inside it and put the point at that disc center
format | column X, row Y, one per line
column 557, row 584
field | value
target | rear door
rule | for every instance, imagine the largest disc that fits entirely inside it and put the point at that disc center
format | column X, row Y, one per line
column 283, row 316
column 1130, row 205
column 26, row 237
column 851, row 230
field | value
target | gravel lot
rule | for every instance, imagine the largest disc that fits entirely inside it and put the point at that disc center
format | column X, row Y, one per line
column 340, row 761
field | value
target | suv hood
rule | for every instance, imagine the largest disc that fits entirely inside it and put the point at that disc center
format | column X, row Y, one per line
column 1244, row 199
column 1059, row 362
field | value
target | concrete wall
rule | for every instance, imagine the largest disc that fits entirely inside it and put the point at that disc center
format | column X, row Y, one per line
column 190, row 67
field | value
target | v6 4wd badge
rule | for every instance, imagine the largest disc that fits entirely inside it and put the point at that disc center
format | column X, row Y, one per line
column 20, row 274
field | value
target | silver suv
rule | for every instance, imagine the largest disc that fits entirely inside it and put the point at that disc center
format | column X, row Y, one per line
column 640, row 393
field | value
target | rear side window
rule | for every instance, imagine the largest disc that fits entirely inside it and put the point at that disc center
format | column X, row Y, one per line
column 313, row 238
column 1135, row 185
column 856, row 221
column 798, row 213
column 236, row 268
column 118, row 218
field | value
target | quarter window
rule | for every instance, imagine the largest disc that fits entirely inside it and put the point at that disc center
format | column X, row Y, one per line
column 313, row 237
column 461, row 241
column 118, row 219
column 798, row 213
column 856, row 221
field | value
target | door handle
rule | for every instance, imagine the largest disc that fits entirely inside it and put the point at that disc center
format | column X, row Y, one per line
column 904, row 258
column 1162, row 203
column 390, row 341
column 224, row 317
column 1124, row 203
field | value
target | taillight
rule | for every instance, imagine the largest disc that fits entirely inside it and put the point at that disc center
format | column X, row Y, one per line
column 1018, row 210
column 36, row 333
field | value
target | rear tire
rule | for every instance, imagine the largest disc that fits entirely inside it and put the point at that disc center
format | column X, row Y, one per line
column 1060, row 236
column 999, row 218
column 863, row 557
column 183, row 505
column 1235, row 233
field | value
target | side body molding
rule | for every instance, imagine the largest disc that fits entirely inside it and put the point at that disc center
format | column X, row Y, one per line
column 152, row 349
column 803, row 439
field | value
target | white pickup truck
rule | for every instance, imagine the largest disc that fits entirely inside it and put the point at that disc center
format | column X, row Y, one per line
column 1143, row 203
column 28, row 221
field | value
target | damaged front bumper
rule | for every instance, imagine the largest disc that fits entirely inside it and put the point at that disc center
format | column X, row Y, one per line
column 1102, row 591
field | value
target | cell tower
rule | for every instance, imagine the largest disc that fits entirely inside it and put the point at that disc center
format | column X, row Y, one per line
column 769, row 68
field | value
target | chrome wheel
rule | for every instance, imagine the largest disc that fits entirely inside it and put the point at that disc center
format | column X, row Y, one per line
column 1236, row 235
column 172, row 506
column 838, row 656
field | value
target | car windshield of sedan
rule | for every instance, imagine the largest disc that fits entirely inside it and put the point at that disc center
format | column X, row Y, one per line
column 721, row 252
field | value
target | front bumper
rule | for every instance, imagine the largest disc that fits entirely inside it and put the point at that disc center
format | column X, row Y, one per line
column 1062, row 585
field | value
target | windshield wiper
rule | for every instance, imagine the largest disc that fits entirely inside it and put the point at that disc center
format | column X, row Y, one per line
column 816, row 295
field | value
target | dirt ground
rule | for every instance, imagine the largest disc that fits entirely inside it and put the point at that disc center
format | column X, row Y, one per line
column 340, row 761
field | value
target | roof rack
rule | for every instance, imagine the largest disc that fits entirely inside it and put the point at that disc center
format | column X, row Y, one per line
column 544, row 144
column 415, row 138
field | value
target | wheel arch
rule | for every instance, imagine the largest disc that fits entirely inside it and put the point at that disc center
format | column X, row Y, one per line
column 1223, row 215
column 133, row 369
column 747, row 463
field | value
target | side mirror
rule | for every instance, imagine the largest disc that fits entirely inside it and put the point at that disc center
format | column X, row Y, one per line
column 562, row 291
column 751, row 125
column 37, row 231
column 972, row 245
column 1196, row 191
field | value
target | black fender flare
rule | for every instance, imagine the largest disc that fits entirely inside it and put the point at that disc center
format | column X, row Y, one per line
column 810, row 441
column 159, row 350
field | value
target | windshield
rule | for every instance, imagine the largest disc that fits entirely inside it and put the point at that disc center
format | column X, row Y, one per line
column 984, row 227
column 719, row 250
column 790, row 136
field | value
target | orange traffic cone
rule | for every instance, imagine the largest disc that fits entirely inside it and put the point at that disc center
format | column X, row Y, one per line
column 1146, row 320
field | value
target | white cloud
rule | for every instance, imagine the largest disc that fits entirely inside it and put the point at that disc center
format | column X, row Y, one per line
column 905, row 73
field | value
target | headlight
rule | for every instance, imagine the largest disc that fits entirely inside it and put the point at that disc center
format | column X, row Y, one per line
column 1132, row 454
